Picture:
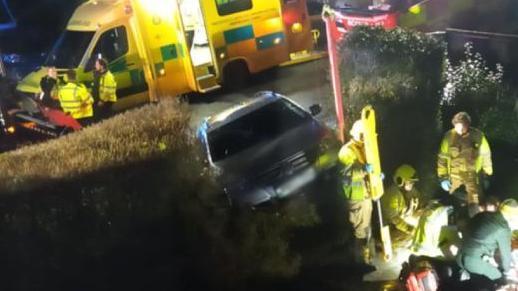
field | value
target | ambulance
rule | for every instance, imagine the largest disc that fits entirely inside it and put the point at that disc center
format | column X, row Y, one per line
column 160, row 48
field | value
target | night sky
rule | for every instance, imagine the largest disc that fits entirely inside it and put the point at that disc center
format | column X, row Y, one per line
column 39, row 24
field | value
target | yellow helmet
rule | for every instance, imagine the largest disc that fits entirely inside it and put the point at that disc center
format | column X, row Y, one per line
column 405, row 173
column 509, row 209
column 357, row 128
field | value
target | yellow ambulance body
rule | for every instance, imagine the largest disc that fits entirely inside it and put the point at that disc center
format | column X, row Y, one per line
column 158, row 48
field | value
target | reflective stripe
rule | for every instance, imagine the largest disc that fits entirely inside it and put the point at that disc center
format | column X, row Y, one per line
column 76, row 100
column 107, row 88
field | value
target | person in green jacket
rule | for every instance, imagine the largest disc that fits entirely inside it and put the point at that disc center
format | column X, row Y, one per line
column 464, row 158
column 354, row 187
column 487, row 232
column 400, row 203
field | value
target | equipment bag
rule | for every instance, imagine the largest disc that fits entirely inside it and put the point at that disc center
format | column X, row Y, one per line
column 419, row 276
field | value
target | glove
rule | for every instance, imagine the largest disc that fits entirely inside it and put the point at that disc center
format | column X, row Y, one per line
column 382, row 176
column 414, row 203
column 446, row 185
column 369, row 168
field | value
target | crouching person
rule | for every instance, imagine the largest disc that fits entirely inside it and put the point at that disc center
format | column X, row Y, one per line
column 400, row 204
column 428, row 235
column 486, row 232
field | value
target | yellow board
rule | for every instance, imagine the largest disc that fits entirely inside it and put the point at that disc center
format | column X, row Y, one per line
column 375, row 180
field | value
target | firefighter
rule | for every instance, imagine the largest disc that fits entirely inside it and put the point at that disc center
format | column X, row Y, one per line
column 353, row 184
column 400, row 204
column 104, row 89
column 49, row 88
column 426, row 238
column 76, row 100
column 487, row 232
column 464, row 159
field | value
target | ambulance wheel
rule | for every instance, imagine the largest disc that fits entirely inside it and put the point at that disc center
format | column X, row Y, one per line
column 235, row 75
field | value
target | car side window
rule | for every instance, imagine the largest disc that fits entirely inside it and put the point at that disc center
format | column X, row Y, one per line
column 111, row 45
column 226, row 7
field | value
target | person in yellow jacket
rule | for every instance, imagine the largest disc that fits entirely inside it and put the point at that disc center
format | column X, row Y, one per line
column 464, row 159
column 104, row 89
column 354, row 187
column 75, row 99
column 400, row 204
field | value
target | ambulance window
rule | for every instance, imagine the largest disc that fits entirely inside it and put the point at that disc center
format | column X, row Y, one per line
column 226, row 7
column 112, row 44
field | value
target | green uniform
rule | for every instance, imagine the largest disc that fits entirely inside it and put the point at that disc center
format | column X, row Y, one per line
column 486, row 232
column 395, row 207
column 352, row 157
column 462, row 158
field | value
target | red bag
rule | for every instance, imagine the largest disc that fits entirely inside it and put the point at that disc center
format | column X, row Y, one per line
column 419, row 275
column 425, row 280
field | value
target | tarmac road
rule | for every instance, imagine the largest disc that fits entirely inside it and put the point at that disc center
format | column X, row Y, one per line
column 305, row 83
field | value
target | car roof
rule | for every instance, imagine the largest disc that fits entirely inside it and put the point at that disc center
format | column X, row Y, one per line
column 260, row 100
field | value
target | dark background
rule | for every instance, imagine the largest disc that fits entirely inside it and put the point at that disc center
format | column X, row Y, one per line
column 40, row 21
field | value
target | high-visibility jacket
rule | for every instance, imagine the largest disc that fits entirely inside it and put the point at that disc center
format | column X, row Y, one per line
column 107, row 87
column 461, row 154
column 352, row 158
column 395, row 207
column 427, row 233
column 76, row 100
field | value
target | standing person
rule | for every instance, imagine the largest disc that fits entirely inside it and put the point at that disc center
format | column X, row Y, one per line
column 354, row 186
column 400, row 203
column 487, row 232
column 104, row 89
column 49, row 88
column 75, row 100
column 464, row 159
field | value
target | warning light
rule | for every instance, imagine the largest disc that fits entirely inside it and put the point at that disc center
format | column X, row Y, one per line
column 416, row 9
column 11, row 129
column 296, row 27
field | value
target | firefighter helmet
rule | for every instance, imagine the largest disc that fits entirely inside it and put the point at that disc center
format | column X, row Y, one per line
column 357, row 129
column 509, row 208
column 405, row 173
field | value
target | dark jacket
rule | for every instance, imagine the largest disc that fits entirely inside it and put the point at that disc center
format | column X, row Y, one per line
column 48, row 86
column 487, row 232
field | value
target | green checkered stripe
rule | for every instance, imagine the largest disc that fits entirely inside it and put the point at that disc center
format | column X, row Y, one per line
column 120, row 66
column 166, row 53
column 246, row 32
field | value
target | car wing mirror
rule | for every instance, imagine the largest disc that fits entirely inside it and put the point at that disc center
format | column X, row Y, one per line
column 315, row 109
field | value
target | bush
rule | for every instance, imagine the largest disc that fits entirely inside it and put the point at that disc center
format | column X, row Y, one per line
column 399, row 73
column 471, row 85
column 130, row 204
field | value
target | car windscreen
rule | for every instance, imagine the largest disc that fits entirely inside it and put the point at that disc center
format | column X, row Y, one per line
column 69, row 49
column 258, row 127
